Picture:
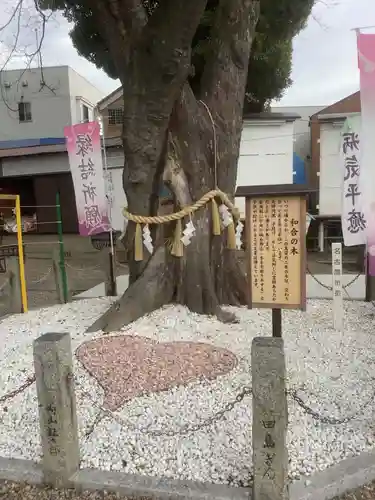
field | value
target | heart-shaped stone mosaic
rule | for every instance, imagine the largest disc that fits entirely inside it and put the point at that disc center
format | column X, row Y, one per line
column 127, row 366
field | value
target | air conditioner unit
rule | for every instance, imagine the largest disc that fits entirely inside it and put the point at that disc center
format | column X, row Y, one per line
column 7, row 85
column 25, row 83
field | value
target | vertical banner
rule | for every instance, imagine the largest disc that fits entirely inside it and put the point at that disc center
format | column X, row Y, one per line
column 353, row 220
column 86, row 166
column 366, row 63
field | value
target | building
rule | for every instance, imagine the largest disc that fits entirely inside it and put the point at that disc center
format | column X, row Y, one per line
column 35, row 106
column 266, row 151
column 325, row 173
column 302, row 139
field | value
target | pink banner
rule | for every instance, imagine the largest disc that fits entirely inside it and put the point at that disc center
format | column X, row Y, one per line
column 366, row 62
column 86, row 166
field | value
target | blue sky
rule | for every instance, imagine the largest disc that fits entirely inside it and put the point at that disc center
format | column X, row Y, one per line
column 324, row 59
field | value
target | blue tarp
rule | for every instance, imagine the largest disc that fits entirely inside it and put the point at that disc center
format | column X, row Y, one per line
column 299, row 171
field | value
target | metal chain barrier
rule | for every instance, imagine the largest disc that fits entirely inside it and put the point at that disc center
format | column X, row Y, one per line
column 5, row 284
column 81, row 269
column 191, row 428
column 182, row 431
column 328, row 287
column 325, row 419
column 12, row 394
column 121, row 264
column 42, row 279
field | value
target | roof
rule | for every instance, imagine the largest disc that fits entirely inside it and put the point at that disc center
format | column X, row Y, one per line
column 36, row 150
column 110, row 98
column 287, row 117
column 327, row 109
column 273, row 190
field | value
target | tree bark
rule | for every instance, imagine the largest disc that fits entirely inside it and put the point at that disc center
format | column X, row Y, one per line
column 168, row 135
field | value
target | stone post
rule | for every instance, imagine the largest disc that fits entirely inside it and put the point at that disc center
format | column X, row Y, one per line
column 270, row 419
column 15, row 299
column 57, row 408
column 58, row 277
column 108, row 262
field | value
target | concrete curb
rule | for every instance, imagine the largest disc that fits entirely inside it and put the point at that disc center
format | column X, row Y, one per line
column 347, row 475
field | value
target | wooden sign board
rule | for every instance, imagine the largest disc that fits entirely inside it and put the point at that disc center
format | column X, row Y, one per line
column 276, row 250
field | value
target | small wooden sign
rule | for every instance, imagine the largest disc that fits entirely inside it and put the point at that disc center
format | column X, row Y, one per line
column 276, row 247
column 8, row 251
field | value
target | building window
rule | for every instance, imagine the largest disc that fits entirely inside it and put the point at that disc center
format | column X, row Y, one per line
column 24, row 112
column 115, row 116
column 85, row 113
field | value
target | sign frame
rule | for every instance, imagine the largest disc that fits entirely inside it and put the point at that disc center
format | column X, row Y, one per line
column 269, row 192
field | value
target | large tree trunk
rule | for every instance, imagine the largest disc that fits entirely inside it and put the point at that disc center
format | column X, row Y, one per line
column 169, row 136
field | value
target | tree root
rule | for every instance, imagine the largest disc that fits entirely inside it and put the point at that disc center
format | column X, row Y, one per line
column 188, row 281
column 152, row 290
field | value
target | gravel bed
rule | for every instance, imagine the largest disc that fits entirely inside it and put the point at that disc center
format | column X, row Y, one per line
column 332, row 372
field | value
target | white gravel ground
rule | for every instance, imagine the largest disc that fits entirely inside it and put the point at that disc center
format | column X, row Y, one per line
column 334, row 373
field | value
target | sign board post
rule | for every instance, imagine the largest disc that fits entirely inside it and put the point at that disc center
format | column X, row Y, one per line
column 337, row 287
column 276, row 270
column 276, row 248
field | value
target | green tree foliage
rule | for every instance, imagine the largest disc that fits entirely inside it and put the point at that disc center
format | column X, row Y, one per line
column 270, row 63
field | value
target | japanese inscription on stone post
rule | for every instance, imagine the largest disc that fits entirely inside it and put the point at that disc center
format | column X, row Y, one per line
column 277, row 251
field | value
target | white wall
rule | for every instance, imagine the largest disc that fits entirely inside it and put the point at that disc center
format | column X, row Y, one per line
column 331, row 169
column 266, row 155
column 302, row 132
column 50, row 109
column 35, row 164
column 82, row 92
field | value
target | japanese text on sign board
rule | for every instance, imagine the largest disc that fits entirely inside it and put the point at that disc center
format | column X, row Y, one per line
column 353, row 219
column 276, row 251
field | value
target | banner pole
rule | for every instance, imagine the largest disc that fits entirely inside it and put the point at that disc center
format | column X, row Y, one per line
column 21, row 259
column 112, row 264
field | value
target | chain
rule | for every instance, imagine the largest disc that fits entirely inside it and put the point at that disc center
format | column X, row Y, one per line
column 352, row 281
column 327, row 287
column 43, row 278
column 182, row 431
column 2, row 287
column 82, row 269
column 10, row 395
column 325, row 419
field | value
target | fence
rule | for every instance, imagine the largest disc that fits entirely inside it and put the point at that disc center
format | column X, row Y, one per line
column 44, row 271
column 55, row 383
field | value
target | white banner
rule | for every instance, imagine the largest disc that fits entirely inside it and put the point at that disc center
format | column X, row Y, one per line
column 352, row 217
column 86, row 166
